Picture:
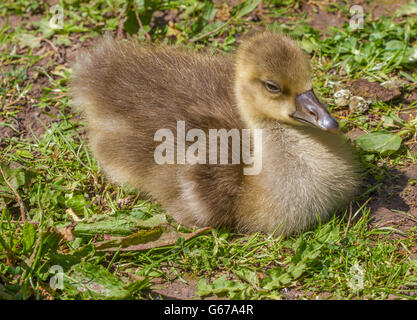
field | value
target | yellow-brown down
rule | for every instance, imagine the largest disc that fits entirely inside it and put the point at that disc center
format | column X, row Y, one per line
column 127, row 91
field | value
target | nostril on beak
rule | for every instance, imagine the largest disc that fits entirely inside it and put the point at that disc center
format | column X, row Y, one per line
column 313, row 114
column 310, row 110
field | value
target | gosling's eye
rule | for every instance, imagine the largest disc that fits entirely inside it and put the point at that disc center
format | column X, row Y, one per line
column 272, row 87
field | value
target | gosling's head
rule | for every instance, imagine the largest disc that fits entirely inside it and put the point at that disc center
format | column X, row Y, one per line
column 273, row 82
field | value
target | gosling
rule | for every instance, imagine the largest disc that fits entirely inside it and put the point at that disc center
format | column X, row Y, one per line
column 128, row 91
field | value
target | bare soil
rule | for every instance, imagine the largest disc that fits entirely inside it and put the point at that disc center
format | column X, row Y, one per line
column 395, row 203
column 321, row 18
column 30, row 119
column 174, row 290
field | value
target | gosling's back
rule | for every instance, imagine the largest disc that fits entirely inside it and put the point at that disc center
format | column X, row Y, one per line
column 127, row 92
column 155, row 84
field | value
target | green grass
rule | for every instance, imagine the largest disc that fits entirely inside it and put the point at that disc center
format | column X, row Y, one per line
column 55, row 181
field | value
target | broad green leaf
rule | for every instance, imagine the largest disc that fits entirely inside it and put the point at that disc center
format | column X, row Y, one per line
column 115, row 226
column 328, row 234
column 394, row 45
column 211, row 27
column 118, row 225
column 148, row 239
column 278, row 278
column 77, row 203
column 248, row 7
column 140, row 4
column 94, row 281
column 19, row 179
column 309, row 44
column 388, row 122
column 131, row 25
column 220, row 286
column 298, row 269
column 381, row 142
column 209, row 11
column 29, row 236
column 249, row 276
column 139, row 237
column 410, row 55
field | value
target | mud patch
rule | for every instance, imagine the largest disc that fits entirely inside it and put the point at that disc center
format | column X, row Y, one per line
column 380, row 8
column 324, row 14
column 355, row 133
column 29, row 118
column 373, row 90
column 17, row 20
column 320, row 17
column 175, row 290
column 395, row 204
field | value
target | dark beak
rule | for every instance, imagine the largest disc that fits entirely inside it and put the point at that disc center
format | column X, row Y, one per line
column 310, row 110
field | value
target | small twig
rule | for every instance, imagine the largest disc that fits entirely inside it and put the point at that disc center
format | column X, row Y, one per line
column 18, row 198
column 53, row 47
column 12, row 102
column 140, row 23
column 120, row 27
column 51, row 44
column 136, row 199
column 350, row 218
